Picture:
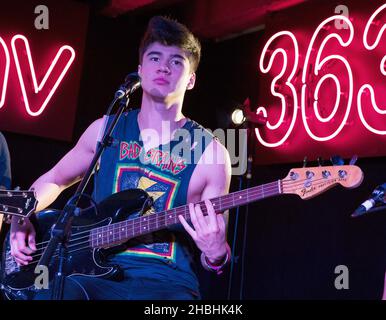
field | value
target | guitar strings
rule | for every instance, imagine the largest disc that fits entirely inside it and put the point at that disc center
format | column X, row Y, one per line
column 150, row 217
column 204, row 210
column 233, row 194
column 136, row 224
column 87, row 236
column 12, row 196
column 9, row 206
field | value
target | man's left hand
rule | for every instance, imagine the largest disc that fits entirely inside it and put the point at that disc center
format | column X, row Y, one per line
column 208, row 232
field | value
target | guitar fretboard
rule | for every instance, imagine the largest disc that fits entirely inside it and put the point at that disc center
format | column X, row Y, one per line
column 122, row 231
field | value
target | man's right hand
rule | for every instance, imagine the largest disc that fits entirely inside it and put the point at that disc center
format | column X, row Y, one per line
column 22, row 241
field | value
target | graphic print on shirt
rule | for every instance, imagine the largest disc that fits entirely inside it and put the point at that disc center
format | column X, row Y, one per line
column 162, row 189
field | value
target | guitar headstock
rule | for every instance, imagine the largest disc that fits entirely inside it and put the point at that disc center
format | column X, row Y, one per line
column 310, row 182
column 18, row 203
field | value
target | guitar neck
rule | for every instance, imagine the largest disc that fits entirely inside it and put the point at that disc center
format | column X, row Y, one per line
column 122, row 231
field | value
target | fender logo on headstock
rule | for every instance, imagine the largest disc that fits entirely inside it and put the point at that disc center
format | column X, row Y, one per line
column 306, row 191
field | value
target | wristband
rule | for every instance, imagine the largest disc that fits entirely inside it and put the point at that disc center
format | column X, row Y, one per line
column 215, row 268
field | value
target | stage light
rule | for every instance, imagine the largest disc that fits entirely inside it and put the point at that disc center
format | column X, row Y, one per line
column 238, row 117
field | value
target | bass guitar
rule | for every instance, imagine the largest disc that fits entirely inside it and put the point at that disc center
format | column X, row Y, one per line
column 98, row 232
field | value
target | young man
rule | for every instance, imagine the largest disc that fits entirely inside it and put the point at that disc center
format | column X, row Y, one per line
column 156, row 266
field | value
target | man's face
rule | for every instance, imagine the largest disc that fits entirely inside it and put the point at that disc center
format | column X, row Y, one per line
column 165, row 72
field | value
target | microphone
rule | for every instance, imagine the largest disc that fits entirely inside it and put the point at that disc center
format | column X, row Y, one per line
column 377, row 196
column 132, row 83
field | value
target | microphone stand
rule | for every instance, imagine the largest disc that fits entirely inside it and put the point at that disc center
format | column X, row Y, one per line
column 248, row 178
column 235, row 228
column 61, row 230
column 375, row 209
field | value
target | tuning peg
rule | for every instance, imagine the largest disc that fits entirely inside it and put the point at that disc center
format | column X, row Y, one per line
column 337, row 160
column 7, row 218
column 353, row 160
column 305, row 162
column 320, row 161
column 17, row 188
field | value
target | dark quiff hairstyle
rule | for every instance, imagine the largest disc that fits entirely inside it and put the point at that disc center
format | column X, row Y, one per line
column 169, row 32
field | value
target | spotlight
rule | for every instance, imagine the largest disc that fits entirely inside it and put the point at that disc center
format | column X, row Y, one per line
column 238, row 116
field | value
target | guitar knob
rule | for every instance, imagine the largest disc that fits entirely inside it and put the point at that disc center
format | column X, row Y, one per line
column 150, row 201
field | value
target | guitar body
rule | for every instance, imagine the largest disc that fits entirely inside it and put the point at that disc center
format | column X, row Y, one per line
column 18, row 282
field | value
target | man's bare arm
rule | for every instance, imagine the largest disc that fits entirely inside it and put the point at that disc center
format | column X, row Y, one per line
column 65, row 173
column 218, row 176
column 209, row 232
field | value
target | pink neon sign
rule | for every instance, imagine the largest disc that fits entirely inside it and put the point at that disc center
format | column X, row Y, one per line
column 317, row 74
column 274, row 91
column 317, row 68
column 5, row 71
column 367, row 86
column 24, row 52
